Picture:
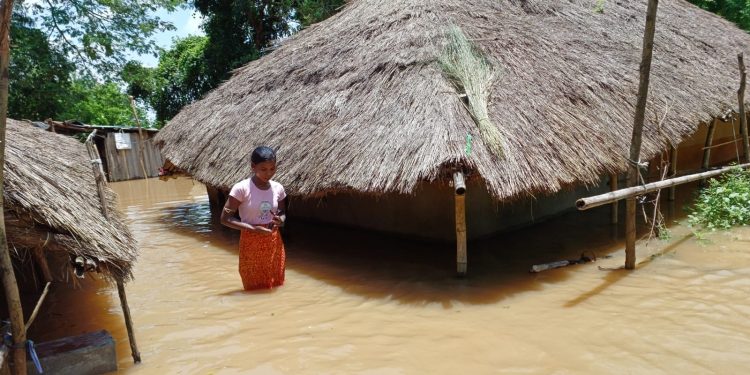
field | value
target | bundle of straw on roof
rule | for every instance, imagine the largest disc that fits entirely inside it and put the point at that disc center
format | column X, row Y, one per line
column 472, row 74
column 360, row 102
column 51, row 201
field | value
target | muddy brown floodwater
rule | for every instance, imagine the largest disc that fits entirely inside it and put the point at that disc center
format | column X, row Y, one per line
column 362, row 303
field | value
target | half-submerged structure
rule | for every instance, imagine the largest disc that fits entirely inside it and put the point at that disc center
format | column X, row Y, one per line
column 53, row 213
column 377, row 110
column 127, row 152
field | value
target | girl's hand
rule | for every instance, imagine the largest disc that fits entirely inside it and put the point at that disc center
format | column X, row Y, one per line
column 261, row 229
column 278, row 221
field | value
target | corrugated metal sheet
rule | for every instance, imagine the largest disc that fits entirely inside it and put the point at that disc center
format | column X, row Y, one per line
column 126, row 164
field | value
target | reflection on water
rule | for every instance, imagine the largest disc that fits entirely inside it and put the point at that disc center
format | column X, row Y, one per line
column 357, row 302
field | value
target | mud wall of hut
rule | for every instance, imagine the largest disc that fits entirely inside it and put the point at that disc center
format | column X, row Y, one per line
column 429, row 213
column 125, row 164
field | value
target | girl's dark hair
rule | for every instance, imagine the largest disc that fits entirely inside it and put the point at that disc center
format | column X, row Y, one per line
column 261, row 154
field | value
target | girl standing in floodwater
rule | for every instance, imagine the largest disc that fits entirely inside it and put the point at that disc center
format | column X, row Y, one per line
column 261, row 206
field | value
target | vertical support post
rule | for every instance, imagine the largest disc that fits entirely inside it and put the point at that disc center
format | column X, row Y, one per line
column 615, row 204
column 12, row 297
column 672, row 169
column 128, row 322
column 100, row 181
column 41, row 260
column 743, row 116
column 707, row 148
column 140, row 137
column 638, row 118
column 459, row 184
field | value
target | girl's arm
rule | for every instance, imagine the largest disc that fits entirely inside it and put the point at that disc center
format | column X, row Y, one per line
column 280, row 216
column 228, row 219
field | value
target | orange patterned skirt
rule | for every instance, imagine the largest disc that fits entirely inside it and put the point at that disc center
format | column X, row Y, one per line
column 262, row 260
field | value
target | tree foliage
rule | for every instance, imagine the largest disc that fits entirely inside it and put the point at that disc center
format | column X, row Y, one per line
column 99, row 33
column 92, row 102
column 180, row 78
column 312, row 11
column 724, row 203
column 737, row 11
column 237, row 31
column 39, row 74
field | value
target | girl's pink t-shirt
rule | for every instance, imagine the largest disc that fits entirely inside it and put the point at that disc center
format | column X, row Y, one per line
column 257, row 206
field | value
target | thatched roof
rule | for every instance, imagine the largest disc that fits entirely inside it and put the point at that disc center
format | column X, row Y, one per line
column 50, row 188
column 360, row 101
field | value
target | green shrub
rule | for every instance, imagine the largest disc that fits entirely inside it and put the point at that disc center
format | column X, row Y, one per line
column 724, row 203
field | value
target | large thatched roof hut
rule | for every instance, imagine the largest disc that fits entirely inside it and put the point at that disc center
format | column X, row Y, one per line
column 373, row 101
column 51, row 203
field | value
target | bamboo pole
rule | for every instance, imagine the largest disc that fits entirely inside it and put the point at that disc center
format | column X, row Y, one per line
column 615, row 205
column 128, row 322
column 707, row 148
column 100, row 181
column 672, row 169
column 15, row 310
column 459, row 184
column 741, row 100
column 140, row 137
column 706, row 162
column 602, row 199
column 38, row 305
column 41, row 260
column 635, row 143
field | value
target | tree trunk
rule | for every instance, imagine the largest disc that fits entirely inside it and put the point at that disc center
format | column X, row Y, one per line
column 635, row 143
column 6, row 266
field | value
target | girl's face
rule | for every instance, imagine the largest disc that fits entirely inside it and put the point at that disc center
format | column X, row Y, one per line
column 264, row 170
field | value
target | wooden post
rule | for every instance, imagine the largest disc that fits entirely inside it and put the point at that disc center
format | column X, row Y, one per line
column 38, row 305
column 635, row 144
column 140, row 137
column 743, row 116
column 15, row 311
column 128, row 322
column 672, row 169
column 100, row 181
column 41, row 260
column 459, row 184
column 615, row 205
column 706, row 162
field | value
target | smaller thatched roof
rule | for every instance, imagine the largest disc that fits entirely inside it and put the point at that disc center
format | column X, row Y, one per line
column 50, row 192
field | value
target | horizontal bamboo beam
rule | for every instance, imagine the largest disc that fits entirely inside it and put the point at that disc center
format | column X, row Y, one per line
column 602, row 199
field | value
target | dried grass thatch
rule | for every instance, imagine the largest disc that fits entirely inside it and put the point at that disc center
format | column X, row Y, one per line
column 50, row 192
column 472, row 75
column 359, row 101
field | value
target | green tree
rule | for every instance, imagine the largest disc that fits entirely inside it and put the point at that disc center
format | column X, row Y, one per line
column 97, row 103
column 180, row 78
column 313, row 11
column 97, row 34
column 737, row 11
column 39, row 74
column 238, row 31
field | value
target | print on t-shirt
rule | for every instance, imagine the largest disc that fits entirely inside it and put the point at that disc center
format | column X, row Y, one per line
column 265, row 210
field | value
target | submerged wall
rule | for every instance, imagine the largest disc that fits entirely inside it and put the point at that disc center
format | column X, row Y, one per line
column 429, row 212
